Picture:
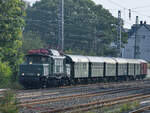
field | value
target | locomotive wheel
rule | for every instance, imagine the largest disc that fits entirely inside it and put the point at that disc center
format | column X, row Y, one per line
column 66, row 82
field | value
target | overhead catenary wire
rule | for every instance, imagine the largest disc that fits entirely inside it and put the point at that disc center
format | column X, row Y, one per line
column 133, row 10
column 115, row 3
column 139, row 7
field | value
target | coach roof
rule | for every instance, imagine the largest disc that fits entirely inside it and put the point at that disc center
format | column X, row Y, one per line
column 135, row 61
column 120, row 60
column 101, row 59
column 142, row 61
column 78, row 58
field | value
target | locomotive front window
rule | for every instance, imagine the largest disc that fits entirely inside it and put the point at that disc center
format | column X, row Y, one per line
column 37, row 59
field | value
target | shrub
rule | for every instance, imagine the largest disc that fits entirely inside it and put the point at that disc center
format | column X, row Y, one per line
column 5, row 73
column 8, row 103
column 125, row 107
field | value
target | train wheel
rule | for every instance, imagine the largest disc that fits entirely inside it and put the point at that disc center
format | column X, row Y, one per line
column 67, row 82
column 72, row 82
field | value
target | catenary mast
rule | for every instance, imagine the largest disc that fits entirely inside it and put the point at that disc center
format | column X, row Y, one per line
column 61, row 26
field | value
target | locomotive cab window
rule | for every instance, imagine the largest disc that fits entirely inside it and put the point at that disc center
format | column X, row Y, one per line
column 36, row 59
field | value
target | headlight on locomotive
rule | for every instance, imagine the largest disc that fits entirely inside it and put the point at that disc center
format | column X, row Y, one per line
column 38, row 74
column 22, row 74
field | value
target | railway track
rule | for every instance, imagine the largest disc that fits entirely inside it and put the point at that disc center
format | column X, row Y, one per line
column 86, row 95
column 67, row 89
column 31, row 104
column 38, row 99
column 142, row 109
column 99, row 104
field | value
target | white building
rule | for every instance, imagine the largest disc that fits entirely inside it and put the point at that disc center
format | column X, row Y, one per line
column 142, row 33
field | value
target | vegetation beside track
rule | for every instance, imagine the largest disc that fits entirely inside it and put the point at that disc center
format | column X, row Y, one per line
column 119, row 108
column 8, row 103
column 12, row 13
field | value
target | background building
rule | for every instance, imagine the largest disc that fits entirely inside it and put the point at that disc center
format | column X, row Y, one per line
column 138, row 45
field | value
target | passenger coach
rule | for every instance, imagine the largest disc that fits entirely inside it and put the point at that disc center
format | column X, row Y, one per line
column 133, row 68
column 121, row 68
column 79, row 68
column 143, row 69
column 102, row 68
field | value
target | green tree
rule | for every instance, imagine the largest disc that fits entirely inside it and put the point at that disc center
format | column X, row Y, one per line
column 12, row 14
column 5, row 73
column 87, row 25
column 31, row 41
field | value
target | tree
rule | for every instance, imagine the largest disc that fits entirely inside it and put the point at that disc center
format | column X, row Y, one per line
column 11, row 26
column 87, row 25
column 31, row 41
column 5, row 73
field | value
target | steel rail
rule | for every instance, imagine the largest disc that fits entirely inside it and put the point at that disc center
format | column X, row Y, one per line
column 99, row 104
column 56, row 99
column 38, row 94
column 140, row 110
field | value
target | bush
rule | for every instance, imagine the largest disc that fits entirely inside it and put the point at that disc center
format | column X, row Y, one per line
column 8, row 103
column 16, row 85
column 125, row 107
column 5, row 73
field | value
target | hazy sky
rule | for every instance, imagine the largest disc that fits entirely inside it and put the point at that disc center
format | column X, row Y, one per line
column 139, row 8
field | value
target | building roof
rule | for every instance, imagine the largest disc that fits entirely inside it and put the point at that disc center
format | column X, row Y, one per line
column 133, row 29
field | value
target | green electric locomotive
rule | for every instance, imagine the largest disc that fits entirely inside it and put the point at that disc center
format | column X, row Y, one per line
column 41, row 68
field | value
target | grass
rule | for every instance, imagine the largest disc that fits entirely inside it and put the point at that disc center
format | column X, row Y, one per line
column 10, row 85
column 117, row 108
column 8, row 103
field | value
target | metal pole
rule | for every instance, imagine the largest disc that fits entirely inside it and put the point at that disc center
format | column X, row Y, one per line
column 62, row 48
column 120, row 30
column 135, row 41
column 61, row 26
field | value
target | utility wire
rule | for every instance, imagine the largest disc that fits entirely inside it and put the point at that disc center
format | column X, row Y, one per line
column 139, row 7
column 115, row 3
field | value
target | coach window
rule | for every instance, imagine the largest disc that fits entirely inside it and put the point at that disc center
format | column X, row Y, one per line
column 95, row 65
column 84, row 66
column 76, row 66
column 100, row 65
